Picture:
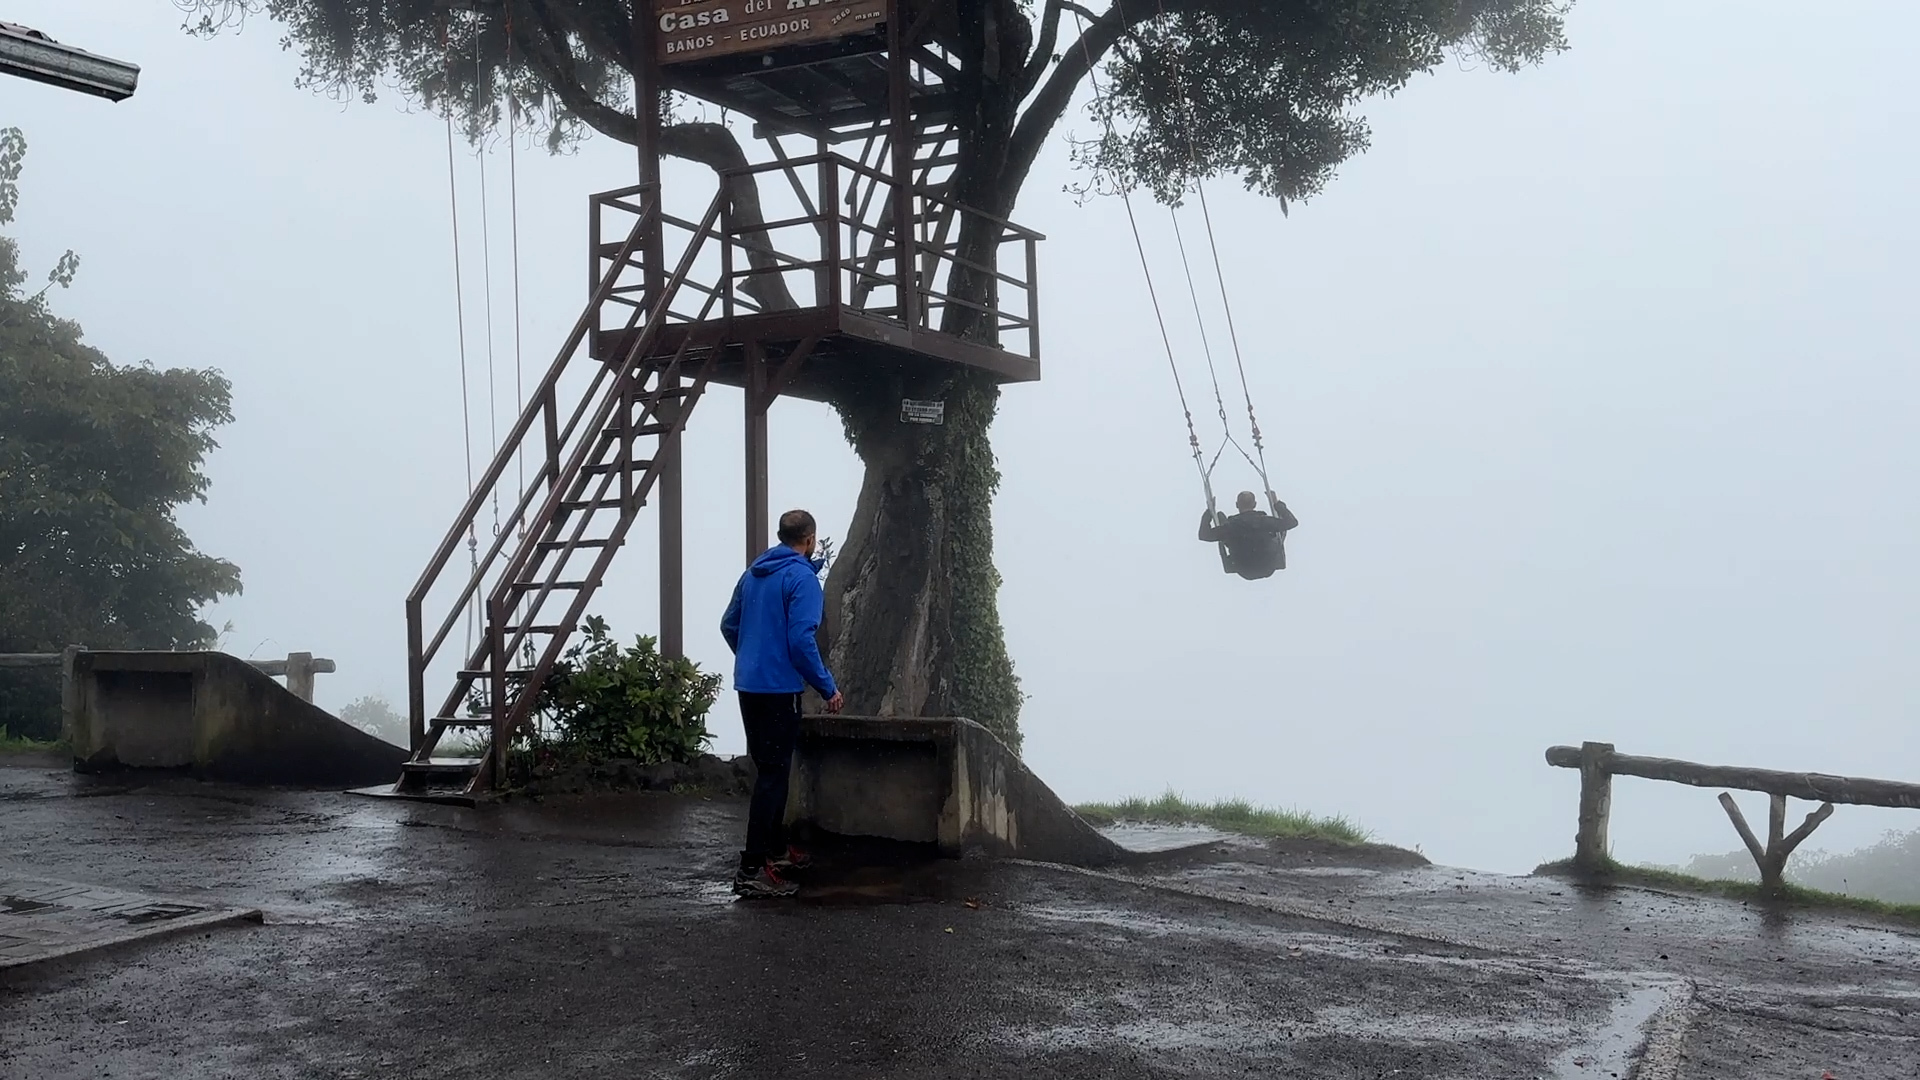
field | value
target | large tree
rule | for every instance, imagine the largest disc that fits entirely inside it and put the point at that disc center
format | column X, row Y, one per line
column 94, row 461
column 1264, row 90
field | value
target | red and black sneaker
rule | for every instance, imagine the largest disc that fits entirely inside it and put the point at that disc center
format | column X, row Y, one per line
column 764, row 883
column 794, row 859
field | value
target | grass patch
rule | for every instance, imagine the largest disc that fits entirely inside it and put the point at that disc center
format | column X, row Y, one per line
column 1231, row 815
column 1749, row 891
column 13, row 744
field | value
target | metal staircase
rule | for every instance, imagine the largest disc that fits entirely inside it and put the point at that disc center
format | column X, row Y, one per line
column 563, row 491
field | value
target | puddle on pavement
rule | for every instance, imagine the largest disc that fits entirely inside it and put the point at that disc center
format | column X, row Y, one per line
column 1136, row 836
column 1615, row 1046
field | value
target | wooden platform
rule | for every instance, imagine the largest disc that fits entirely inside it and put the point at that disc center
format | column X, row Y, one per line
column 852, row 344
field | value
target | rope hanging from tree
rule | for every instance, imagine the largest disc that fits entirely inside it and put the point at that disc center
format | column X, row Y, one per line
column 1258, row 459
column 1219, row 275
column 460, row 319
column 513, row 201
column 1146, row 270
column 486, row 270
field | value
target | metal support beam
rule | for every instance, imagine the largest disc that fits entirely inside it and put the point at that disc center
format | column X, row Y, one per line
column 30, row 54
column 758, row 400
column 672, row 534
column 647, row 86
column 899, row 91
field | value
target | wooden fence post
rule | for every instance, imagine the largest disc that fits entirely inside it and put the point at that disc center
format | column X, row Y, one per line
column 1596, row 802
column 1772, row 859
column 300, row 675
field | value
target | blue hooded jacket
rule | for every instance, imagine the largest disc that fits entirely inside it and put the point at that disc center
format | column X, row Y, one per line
column 771, row 624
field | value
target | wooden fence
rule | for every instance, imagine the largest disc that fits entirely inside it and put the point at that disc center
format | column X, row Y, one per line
column 1598, row 765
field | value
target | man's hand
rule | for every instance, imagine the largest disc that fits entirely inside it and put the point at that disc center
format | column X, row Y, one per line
column 837, row 702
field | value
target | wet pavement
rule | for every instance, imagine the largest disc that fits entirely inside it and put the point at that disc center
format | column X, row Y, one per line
column 48, row 920
column 598, row 938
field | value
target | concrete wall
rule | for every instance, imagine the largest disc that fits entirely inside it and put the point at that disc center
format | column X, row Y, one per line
column 214, row 715
column 945, row 782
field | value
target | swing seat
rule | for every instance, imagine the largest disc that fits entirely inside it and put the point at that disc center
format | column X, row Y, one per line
column 1258, row 564
column 1226, row 556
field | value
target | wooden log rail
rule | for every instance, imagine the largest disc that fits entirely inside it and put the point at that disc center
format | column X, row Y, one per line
column 1599, row 764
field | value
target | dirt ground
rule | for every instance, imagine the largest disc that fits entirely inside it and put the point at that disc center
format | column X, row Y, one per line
column 597, row 938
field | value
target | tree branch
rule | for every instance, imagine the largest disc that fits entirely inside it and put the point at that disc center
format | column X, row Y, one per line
column 611, row 34
column 715, row 146
column 555, row 64
column 712, row 145
column 1042, row 51
column 1047, row 106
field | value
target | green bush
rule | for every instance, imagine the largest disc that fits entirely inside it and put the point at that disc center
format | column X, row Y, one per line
column 603, row 701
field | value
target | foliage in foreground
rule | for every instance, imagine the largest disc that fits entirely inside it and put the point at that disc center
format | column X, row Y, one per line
column 94, row 461
column 1231, row 815
column 1791, row 895
column 606, row 702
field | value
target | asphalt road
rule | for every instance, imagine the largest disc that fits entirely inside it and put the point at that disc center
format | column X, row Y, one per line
column 599, row 939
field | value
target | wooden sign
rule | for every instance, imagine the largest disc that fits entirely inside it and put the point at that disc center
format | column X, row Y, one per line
column 703, row 29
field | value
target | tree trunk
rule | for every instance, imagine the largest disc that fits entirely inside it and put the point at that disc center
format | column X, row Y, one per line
column 913, row 624
column 913, row 602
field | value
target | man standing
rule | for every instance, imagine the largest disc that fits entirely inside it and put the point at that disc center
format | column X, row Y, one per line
column 771, row 625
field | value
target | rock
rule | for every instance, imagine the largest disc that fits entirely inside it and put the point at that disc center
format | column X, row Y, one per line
column 663, row 776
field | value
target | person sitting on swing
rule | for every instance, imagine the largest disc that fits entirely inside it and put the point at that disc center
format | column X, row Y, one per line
column 1253, row 543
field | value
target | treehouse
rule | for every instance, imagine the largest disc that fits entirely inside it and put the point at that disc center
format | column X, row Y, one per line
column 841, row 258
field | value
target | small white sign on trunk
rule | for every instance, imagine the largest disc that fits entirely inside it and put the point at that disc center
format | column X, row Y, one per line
column 923, row 412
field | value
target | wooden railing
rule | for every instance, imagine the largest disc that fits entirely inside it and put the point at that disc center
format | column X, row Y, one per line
column 826, row 239
column 1599, row 764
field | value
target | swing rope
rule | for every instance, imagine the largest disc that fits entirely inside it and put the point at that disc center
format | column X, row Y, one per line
column 513, row 200
column 1166, row 340
column 460, row 319
column 486, row 269
column 1206, row 346
column 1219, row 275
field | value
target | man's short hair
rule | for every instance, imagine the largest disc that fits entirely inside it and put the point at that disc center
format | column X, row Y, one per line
column 1246, row 501
column 795, row 526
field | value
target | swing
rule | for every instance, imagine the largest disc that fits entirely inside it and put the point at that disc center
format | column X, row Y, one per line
column 486, row 284
column 1252, row 544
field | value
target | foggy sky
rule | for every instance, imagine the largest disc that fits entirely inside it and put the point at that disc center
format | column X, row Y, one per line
column 1591, row 388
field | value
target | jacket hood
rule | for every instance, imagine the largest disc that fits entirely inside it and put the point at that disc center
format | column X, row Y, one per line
column 777, row 558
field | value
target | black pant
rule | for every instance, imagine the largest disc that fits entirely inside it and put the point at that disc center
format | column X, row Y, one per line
column 773, row 728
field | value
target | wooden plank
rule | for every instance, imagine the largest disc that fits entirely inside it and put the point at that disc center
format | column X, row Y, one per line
column 1813, row 787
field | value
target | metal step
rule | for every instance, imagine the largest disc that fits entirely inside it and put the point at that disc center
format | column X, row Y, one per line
column 533, row 586
column 639, row 467
column 592, row 504
column 445, row 766
column 556, row 545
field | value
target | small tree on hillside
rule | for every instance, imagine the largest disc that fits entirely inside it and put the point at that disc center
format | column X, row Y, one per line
column 94, row 461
